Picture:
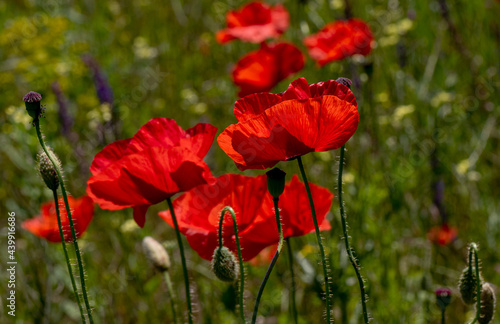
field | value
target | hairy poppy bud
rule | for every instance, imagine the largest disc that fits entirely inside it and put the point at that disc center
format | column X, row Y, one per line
column 345, row 81
column 224, row 265
column 32, row 102
column 467, row 285
column 443, row 297
column 487, row 304
column 275, row 182
column 156, row 253
column 47, row 169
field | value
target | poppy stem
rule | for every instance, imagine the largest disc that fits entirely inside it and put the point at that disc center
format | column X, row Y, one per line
column 171, row 293
column 240, row 258
column 473, row 249
column 65, row 249
column 183, row 260
column 350, row 250
column 70, row 219
column 320, row 243
column 290, row 261
column 273, row 261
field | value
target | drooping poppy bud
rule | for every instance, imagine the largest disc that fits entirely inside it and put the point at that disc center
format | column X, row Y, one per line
column 33, row 107
column 275, row 182
column 487, row 304
column 156, row 253
column 224, row 265
column 47, row 169
column 467, row 285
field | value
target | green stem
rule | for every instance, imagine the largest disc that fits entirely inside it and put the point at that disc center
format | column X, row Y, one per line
column 240, row 257
column 70, row 219
column 478, row 279
column 273, row 262
column 171, row 293
column 290, row 259
column 443, row 309
column 63, row 242
column 320, row 243
column 346, row 239
column 183, row 260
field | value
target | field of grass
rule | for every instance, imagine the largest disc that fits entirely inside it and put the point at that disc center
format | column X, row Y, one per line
column 427, row 151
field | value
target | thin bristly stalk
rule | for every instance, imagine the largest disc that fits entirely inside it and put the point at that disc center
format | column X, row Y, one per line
column 290, row 261
column 320, row 243
column 70, row 219
column 183, row 260
column 240, row 257
column 273, row 262
column 346, row 239
column 171, row 293
column 63, row 242
column 478, row 279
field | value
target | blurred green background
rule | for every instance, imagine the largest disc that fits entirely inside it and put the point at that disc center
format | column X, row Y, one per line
column 429, row 105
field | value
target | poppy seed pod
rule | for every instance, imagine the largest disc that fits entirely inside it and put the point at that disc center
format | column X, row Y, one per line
column 156, row 253
column 345, row 81
column 32, row 102
column 467, row 285
column 275, row 182
column 443, row 297
column 487, row 304
column 48, row 170
column 224, row 265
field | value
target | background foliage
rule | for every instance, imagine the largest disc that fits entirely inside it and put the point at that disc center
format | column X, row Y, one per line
column 428, row 92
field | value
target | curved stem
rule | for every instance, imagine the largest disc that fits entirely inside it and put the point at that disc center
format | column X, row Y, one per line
column 320, row 243
column 172, row 295
column 273, row 262
column 183, row 260
column 63, row 242
column 70, row 219
column 346, row 239
column 478, row 279
column 240, row 258
column 290, row 259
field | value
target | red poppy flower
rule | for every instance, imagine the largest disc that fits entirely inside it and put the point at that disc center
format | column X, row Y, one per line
column 261, row 70
column 442, row 235
column 45, row 225
column 198, row 213
column 254, row 23
column 339, row 40
column 279, row 127
column 159, row 161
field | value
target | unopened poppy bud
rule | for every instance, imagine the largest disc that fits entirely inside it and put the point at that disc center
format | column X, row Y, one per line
column 467, row 285
column 156, row 253
column 487, row 304
column 224, row 265
column 32, row 102
column 345, row 81
column 47, row 169
column 275, row 182
column 443, row 297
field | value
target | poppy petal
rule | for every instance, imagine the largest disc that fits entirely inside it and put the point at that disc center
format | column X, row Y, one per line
column 140, row 215
column 109, row 154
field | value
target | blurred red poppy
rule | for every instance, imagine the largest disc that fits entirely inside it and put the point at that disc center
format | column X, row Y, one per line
column 442, row 235
column 254, row 23
column 261, row 70
column 45, row 225
column 198, row 213
column 339, row 40
column 159, row 161
column 279, row 127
